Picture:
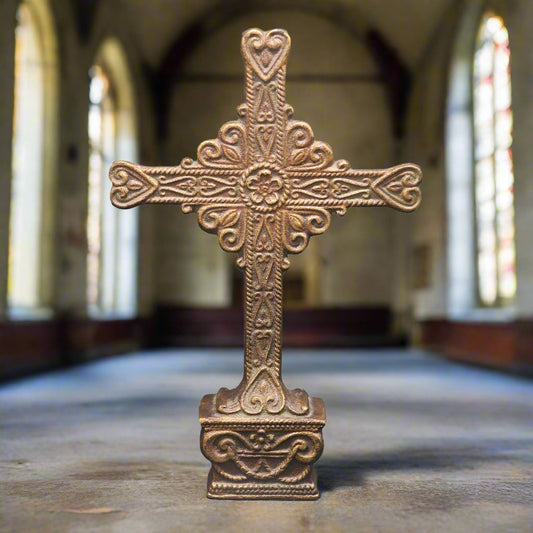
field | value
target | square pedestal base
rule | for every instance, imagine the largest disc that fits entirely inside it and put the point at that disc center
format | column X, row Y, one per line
column 262, row 456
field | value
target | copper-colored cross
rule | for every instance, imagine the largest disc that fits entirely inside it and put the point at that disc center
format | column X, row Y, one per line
column 264, row 185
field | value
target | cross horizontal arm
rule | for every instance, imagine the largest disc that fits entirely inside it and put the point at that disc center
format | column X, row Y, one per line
column 338, row 187
column 189, row 184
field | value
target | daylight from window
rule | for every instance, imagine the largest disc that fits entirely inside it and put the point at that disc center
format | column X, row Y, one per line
column 23, row 292
column 493, row 125
column 101, row 153
column 111, row 233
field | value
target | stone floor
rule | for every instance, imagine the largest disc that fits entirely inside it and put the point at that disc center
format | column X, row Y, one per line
column 413, row 443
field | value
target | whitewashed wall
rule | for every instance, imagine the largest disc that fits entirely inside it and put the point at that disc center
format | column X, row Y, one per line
column 520, row 22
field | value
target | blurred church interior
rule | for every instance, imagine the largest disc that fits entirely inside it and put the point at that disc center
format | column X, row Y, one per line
column 445, row 84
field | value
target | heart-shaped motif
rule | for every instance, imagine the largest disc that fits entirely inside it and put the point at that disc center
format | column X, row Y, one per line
column 265, row 52
column 263, row 392
column 265, row 138
column 263, row 267
column 398, row 187
column 131, row 186
column 263, row 310
column 262, row 341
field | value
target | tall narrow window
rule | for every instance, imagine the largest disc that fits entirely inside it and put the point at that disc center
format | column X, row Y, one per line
column 493, row 125
column 111, row 233
column 102, row 114
column 29, row 284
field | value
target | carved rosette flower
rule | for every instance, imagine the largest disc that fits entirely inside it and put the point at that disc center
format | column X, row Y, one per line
column 263, row 187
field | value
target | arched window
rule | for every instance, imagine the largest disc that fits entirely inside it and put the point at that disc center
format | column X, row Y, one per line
column 33, row 162
column 111, row 233
column 493, row 164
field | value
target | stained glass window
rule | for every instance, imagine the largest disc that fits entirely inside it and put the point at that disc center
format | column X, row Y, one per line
column 493, row 127
column 23, row 291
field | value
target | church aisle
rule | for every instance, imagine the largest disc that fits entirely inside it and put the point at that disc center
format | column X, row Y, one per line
column 413, row 443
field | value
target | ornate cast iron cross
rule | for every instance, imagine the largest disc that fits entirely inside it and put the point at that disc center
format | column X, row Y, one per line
column 264, row 185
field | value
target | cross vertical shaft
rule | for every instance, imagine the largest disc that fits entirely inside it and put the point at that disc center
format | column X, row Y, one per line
column 263, row 307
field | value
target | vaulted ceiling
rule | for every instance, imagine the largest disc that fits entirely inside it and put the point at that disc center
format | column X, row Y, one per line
column 407, row 25
column 397, row 33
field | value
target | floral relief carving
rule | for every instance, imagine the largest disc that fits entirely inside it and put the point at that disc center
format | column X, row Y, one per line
column 302, row 151
column 228, row 222
column 227, row 150
column 263, row 454
column 264, row 187
column 299, row 226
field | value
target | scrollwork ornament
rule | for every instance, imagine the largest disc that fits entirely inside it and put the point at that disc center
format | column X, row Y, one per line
column 263, row 268
column 302, row 151
column 212, row 186
column 400, row 187
column 310, row 189
column 263, row 309
column 262, row 454
column 263, row 393
column 263, row 235
column 298, row 226
column 345, row 188
column 130, row 185
column 178, row 185
column 228, row 222
column 228, row 150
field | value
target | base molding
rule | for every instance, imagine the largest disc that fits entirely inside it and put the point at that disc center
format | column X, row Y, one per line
column 259, row 457
column 220, row 489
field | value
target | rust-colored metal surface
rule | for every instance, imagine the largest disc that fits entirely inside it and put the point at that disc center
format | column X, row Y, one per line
column 264, row 186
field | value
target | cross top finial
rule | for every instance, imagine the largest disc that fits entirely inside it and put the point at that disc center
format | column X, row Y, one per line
column 265, row 52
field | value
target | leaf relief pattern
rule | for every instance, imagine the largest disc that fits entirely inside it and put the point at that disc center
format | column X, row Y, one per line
column 228, row 150
column 298, row 226
column 302, row 152
column 228, row 222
